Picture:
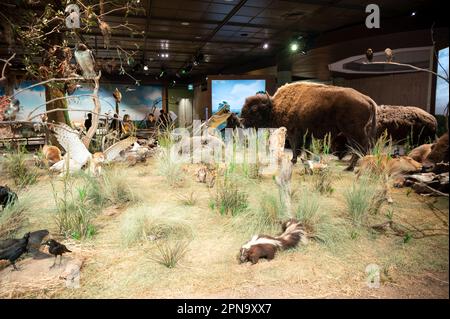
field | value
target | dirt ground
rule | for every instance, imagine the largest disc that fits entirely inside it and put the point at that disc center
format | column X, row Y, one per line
column 417, row 268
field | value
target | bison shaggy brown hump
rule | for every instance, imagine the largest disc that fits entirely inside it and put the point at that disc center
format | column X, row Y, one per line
column 317, row 109
column 403, row 121
column 439, row 153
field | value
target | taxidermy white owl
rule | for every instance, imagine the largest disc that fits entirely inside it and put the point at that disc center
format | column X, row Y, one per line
column 86, row 61
column 77, row 155
column 389, row 55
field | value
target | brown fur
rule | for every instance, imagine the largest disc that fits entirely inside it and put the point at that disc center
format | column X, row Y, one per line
column 421, row 152
column 314, row 109
column 391, row 166
column 401, row 121
column 52, row 154
column 261, row 251
column 289, row 238
column 439, row 153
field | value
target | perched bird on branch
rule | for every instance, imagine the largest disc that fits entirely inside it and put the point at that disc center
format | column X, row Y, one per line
column 389, row 55
column 13, row 252
column 117, row 95
column 56, row 249
column 369, row 55
column 86, row 61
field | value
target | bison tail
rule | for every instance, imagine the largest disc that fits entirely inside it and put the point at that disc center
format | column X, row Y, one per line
column 371, row 129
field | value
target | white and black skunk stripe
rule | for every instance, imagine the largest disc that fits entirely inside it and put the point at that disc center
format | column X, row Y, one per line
column 263, row 246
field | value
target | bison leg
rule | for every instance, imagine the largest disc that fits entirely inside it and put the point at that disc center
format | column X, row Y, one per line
column 295, row 146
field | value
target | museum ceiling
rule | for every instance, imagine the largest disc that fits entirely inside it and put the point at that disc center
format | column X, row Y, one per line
column 225, row 36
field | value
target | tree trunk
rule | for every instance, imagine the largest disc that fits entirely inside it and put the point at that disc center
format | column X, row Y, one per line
column 59, row 116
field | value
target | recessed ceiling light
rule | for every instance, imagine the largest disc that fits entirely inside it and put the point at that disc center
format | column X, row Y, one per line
column 198, row 37
column 265, row 46
column 294, row 46
column 413, row 14
column 145, row 67
column 185, row 23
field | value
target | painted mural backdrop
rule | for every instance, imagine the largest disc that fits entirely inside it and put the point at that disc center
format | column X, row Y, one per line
column 137, row 101
column 441, row 85
column 234, row 92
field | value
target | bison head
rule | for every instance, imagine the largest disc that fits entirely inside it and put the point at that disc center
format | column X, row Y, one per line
column 257, row 111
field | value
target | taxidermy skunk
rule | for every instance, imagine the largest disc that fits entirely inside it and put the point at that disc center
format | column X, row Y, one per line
column 263, row 246
column 7, row 196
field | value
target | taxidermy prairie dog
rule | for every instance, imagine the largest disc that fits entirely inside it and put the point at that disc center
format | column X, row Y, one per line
column 52, row 154
column 206, row 176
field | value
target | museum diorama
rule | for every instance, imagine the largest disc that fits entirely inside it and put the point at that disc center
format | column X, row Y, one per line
column 224, row 149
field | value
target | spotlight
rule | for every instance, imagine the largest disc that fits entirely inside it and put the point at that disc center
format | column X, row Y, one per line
column 265, row 46
column 413, row 13
column 145, row 67
column 294, row 46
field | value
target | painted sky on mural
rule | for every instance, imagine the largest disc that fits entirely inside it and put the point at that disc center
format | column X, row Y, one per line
column 137, row 102
column 234, row 92
column 442, row 86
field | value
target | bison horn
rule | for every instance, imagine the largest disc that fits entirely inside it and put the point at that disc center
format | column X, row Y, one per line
column 269, row 99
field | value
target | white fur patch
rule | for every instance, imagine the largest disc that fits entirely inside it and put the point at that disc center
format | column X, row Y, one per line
column 261, row 240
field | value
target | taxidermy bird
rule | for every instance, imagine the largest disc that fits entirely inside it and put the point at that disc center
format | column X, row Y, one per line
column 77, row 155
column 86, row 61
column 389, row 55
column 34, row 243
column 369, row 55
column 56, row 249
column 117, row 95
column 7, row 196
column 13, row 252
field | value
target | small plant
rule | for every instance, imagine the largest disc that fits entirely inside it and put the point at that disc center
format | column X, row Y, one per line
column 188, row 200
column 13, row 218
column 141, row 227
column 228, row 198
column 323, row 181
column 407, row 238
column 16, row 167
column 170, row 169
column 318, row 225
column 366, row 196
column 74, row 210
column 169, row 253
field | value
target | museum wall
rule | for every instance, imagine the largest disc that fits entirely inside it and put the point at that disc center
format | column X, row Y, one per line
column 412, row 89
column 180, row 100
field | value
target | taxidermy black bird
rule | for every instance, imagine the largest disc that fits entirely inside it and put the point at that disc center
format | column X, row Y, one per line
column 7, row 196
column 13, row 252
column 56, row 249
column 34, row 243
column 86, row 61
column 369, row 55
column 389, row 55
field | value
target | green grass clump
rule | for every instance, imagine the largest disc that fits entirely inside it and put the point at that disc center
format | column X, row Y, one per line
column 16, row 166
column 365, row 197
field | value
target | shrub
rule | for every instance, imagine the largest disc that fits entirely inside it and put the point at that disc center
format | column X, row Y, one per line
column 140, row 227
column 169, row 253
column 228, row 198
column 323, row 181
column 16, row 167
column 366, row 196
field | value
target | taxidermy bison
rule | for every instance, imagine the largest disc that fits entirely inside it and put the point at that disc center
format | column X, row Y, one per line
column 314, row 109
column 401, row 123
